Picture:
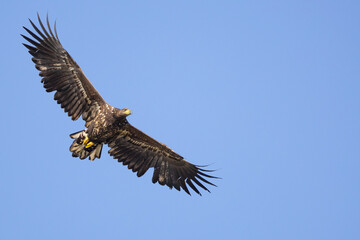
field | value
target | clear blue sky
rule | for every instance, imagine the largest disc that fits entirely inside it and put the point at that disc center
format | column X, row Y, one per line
column 265, row 91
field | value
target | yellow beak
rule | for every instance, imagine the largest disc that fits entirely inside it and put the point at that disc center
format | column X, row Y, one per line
column 128, row 112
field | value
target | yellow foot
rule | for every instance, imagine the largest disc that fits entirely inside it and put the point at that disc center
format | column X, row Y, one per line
column 87, row 143
column 90, row 144
column 86, row 140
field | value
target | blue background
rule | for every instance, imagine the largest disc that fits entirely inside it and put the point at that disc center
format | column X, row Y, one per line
column 267, row 92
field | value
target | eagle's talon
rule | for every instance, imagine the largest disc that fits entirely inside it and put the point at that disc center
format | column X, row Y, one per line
column 86, row 140
column 90, row 144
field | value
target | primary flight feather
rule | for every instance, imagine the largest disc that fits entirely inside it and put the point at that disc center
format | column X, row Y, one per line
column 105, row 124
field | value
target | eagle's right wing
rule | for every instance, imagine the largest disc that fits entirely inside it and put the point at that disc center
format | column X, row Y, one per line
column 140, row 152
column 62, row 74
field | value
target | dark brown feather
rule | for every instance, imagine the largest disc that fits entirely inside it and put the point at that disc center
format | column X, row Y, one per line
column 61, row 73
column 141, row 152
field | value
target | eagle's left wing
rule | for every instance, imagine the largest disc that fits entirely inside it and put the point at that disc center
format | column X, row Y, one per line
column 62, row 74
column 140, row 152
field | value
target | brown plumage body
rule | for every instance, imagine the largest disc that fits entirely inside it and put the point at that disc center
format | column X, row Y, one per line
column 105, row 124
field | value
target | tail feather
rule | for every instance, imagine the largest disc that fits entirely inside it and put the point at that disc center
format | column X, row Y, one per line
column 78, row 149
column 77, row 134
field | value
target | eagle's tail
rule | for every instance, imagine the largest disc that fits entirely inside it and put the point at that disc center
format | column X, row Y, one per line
column 83, row 150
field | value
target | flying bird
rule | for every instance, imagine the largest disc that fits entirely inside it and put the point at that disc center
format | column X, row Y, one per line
column 105, row 124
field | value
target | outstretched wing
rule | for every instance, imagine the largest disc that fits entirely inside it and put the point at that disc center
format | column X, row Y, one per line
column 140, row 152
column 62, row 74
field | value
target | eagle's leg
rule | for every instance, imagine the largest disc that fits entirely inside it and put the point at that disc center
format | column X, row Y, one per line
column 86, row 140
column 87, row 143
column 90, row 144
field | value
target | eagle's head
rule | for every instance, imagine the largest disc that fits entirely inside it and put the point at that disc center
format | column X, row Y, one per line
column 122, row 113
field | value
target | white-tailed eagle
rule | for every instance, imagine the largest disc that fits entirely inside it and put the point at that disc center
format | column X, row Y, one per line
column 105, row 124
